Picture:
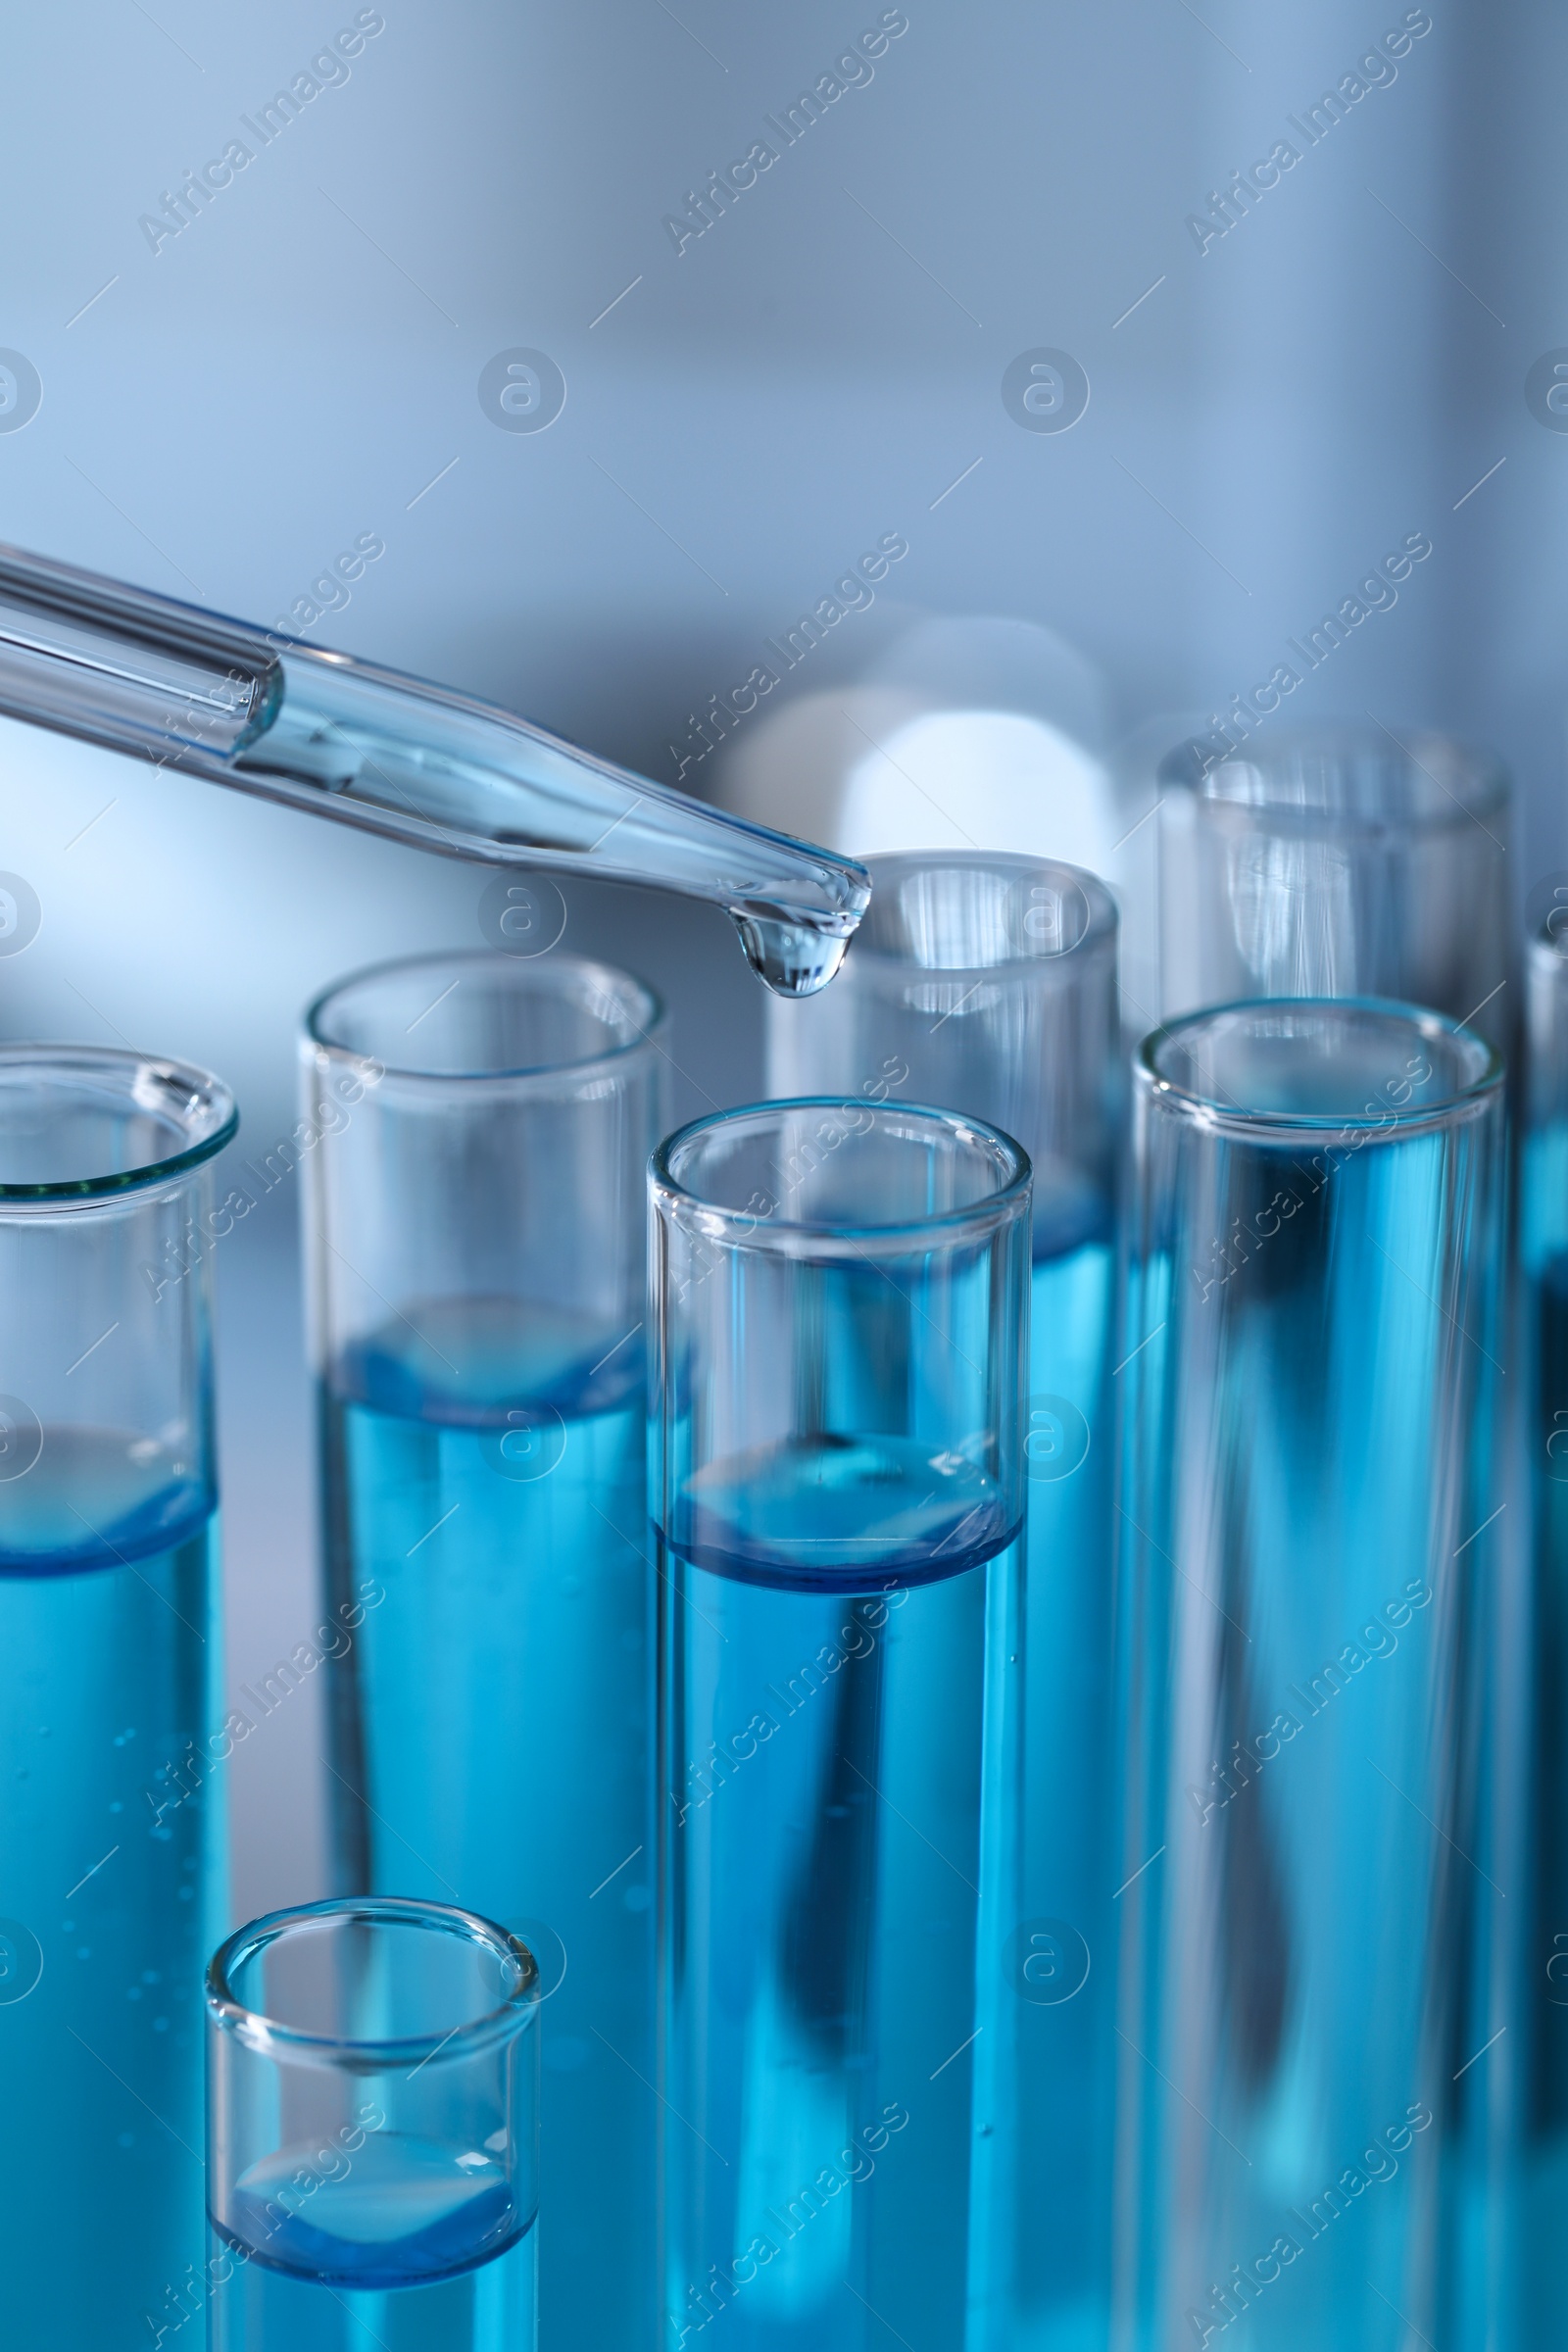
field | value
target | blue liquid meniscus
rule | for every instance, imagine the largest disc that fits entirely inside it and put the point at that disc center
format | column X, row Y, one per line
column 484, row 1474
column 403, row 2244
column 838, row 1638
column 110, row 1896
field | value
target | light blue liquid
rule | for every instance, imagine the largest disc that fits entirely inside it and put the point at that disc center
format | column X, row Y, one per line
column 1306, row 2065
column 492, row 1727
column 110, row 1662
column 1544, row 2285
column 836, row 1871
column 416, row 2247
column 1062, row 1959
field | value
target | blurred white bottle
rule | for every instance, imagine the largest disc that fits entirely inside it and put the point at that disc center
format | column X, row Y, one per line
column 974, row 733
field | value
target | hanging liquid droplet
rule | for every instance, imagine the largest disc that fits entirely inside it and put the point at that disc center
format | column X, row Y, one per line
column 795, row 958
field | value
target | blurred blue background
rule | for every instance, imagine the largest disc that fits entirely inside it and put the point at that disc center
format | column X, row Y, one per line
column 1270, row 412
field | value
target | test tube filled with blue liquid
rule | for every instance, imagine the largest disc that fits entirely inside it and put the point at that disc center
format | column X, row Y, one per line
column 1542, row 2179
column 988, row 984
column 479, row 1246
column 372, row 2133
column 840, row 1303
column 109, row 1722
column 1314, row 2037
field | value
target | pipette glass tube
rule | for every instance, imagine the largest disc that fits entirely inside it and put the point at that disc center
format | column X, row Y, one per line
column 1312, row 2029
column 393, row 755
column 1339, row 861
column 111, row 1743
column 988, row 985
column 478, row 1236
column 373, row 2134
column 840, row 1303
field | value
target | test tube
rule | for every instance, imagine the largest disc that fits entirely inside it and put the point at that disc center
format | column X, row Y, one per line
column 988, row 984
column 478, row 1236
column 840, row 1303
column 372, row 2133
column 1543, row 2290
column 110, row 1739
column 1336, row 861
column 1309, row 2023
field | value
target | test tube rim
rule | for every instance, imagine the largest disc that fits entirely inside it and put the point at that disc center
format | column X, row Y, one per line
column 1489, row 772
column 1100, row 902
column 1257, row 1125
column 200, row 1088
column 268, row 2037
column 743, row 1229
column 525, row 1078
